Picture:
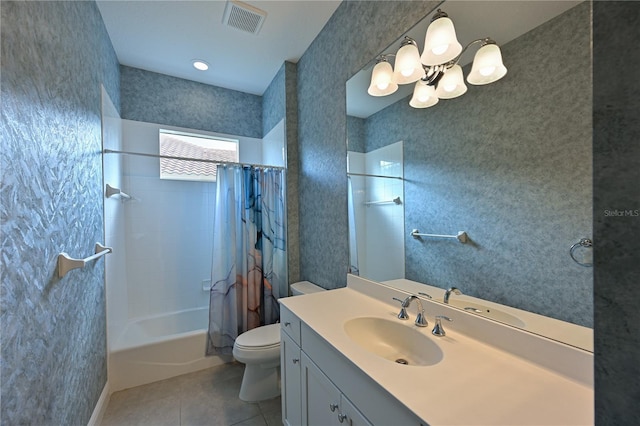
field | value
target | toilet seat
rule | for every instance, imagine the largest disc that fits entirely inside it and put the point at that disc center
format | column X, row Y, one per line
column 260, row 338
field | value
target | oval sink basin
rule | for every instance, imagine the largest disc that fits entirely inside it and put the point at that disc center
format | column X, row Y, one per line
column 393, row 340
column 487, row 312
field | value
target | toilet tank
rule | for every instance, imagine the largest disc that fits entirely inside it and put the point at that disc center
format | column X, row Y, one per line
column 304, row 287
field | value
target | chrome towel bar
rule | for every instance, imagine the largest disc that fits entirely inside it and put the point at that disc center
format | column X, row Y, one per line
column 395, row 200
column 461, row 236
column 67, row 263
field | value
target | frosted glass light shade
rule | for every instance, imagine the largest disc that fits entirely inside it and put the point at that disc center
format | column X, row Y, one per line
column 451, row 85
column 381, row 80
column 424, row 96
column 440, row 43
column 408, row 67
column 487, row 65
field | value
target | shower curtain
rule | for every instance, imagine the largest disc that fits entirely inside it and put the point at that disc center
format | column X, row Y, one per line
column 249, row 268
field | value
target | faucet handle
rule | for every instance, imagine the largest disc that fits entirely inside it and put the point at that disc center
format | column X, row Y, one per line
column 428, row 296
column 438, row 330
column 403, row 311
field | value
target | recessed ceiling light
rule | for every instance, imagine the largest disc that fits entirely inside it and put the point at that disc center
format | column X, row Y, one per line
column 200, row 65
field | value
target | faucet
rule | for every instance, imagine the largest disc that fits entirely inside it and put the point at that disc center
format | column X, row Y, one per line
column 438, row 330
column 421, row 320
column 447, row 293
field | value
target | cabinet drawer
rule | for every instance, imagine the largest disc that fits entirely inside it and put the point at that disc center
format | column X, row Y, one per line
column 290, row 324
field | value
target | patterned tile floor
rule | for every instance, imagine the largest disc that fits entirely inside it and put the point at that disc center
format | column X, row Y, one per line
column 207, row 397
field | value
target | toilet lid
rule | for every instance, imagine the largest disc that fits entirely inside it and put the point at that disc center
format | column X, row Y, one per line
column 266, row 335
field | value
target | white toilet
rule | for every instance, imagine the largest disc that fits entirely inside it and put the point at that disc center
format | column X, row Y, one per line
column 259, row 350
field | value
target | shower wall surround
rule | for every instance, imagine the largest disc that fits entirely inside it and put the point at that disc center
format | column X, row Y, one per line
column 510, row 164
column 55, row 56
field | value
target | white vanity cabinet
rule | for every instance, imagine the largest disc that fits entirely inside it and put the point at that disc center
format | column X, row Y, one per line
column 321, row 387
column 290, row 369
column 323, row 403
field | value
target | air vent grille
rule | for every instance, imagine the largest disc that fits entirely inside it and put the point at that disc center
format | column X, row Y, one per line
column 243, row 16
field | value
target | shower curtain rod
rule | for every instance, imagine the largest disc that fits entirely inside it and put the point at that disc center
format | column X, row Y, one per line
column 201, row 160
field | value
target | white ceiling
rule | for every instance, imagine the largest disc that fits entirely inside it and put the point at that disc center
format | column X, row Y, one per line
column 165, row 37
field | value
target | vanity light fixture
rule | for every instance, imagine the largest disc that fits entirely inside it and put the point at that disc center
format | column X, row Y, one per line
column 436, row 72
column 200, row 65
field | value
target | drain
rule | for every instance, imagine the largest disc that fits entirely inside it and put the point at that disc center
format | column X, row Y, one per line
column 402, row 361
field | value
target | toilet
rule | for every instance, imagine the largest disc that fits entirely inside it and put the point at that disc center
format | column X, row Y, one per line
column 259, row 350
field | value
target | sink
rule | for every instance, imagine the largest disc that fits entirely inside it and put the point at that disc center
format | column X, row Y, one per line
column 488, row 312
column 395, row 341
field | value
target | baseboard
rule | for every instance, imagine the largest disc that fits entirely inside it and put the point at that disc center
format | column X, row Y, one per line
column 101, row 407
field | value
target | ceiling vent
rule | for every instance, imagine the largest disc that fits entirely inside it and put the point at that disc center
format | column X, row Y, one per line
column 243, row 16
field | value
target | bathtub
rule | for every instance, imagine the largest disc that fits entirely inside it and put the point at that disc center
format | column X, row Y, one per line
column 159, row 347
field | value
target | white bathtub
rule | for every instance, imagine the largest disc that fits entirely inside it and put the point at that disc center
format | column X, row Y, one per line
column 156, row 348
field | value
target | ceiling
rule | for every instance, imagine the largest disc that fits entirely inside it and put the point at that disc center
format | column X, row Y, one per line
column 166, row 36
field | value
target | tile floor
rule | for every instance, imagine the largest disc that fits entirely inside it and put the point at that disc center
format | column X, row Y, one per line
column 207, row 397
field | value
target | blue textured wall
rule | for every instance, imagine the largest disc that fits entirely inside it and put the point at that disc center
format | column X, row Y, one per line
column 55, row 55
column 158, row 98
column 510, row 164
column 616, row 155
column 274, row 102
column 356, row 32
column 279, row 102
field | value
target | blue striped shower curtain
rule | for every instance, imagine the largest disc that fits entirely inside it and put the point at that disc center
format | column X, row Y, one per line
column 249, row 269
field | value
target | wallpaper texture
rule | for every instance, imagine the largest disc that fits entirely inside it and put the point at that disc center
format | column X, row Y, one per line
column 616, row 211
column 280, row 101
column 510, row 164
column 158, row 98
column 356, row 32
column 55, row 56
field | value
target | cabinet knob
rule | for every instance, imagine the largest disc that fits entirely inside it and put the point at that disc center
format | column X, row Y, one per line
column 342, row 417
column 296, row 360
column 333, row 407
column 287, row 324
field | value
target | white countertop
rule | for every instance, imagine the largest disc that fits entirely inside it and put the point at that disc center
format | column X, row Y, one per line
column 474, row 384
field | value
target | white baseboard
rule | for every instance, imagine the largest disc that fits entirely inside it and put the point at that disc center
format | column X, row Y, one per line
column 101, row 407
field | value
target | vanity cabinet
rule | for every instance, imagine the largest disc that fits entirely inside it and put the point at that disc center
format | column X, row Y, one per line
column 323, row 403
column 321, row 387
column 290, row 368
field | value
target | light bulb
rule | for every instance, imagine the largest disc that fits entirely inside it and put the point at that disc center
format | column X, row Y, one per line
column 451, row 84
column 439, row 50
column 487, row 65
column 485, row 71
column 408, row 68
column 406, row 72
column 381, row 83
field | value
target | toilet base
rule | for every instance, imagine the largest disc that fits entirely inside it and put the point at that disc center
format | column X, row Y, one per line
column 259, row 384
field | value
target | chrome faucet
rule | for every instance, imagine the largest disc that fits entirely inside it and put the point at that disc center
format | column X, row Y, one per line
column 421, row 320
column 438, row 330
column 447, row 293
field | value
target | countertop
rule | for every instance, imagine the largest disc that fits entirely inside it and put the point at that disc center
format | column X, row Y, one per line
column 474, row 383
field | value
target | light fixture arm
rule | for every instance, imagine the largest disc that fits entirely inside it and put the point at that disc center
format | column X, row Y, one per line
column 484, row 41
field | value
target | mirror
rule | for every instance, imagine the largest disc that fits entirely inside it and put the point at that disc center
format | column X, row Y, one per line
column 508, row 163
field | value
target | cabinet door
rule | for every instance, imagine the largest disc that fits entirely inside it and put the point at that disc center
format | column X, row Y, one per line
column 351, row 415
column 320, row 398
column 290, row 381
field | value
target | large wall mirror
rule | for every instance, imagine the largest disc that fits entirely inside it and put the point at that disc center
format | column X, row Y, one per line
column 508, row 163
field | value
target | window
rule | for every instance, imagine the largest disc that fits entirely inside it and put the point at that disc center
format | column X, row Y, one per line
column 201, row 147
